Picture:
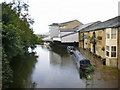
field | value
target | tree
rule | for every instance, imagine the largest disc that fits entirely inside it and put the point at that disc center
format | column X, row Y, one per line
column 17, row 35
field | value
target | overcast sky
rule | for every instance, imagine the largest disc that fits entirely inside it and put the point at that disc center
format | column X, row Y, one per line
column 45, row 12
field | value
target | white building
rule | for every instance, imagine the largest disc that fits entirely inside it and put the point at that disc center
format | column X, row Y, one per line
column 65, row 32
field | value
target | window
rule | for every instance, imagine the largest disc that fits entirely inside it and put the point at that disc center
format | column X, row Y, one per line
column 113, row 33
column 108, row 36
column 108, row 33
column 113, row 51
column 107, row 50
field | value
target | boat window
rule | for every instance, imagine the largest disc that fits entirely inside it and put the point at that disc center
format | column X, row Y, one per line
column 85, row 62
column 81, row 62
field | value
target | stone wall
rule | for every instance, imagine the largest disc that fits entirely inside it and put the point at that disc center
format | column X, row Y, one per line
column 111, row 62
column 100, row 43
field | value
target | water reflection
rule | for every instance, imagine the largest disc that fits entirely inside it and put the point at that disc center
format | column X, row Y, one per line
column 53, row 68
column 59, row 50
column 23, row 67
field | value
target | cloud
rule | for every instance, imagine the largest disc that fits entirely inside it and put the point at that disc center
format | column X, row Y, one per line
column 46, row 12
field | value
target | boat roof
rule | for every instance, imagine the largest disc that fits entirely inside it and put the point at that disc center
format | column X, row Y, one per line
column 80, row 56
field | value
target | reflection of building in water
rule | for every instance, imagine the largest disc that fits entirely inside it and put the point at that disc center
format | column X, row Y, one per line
column 55, row 58
column 59, row 56
column 59, row 59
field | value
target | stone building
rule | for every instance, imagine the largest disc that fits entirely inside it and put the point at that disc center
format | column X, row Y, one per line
column 102, row 40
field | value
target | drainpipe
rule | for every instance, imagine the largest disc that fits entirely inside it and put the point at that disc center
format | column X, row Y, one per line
column 118, row 51
column 79, row 39
column 83, row 40
column 118, row 41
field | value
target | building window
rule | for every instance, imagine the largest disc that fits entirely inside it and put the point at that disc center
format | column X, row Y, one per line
column 108, row 33
column 107, row 50
column 113, row 51
column 113, row 33
column 108, row 36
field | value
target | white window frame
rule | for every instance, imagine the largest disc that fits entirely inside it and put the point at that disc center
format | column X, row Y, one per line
column 108, row 36
column 113, row 33
column 108, row 51
column 108, row 33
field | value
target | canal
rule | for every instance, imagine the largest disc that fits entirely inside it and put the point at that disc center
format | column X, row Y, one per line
column 53, row 67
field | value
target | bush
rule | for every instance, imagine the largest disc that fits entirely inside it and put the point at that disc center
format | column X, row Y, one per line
column 90, row 69
column 99, row 37
column 103, row 48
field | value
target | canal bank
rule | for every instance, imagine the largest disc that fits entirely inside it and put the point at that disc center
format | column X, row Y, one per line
column 108, row 76
column 54, row 67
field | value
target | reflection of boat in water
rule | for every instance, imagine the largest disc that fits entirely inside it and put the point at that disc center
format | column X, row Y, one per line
column 46, row 43
column 34, row 84
column 70, row 49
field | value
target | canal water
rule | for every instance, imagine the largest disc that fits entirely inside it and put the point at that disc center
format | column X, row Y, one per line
column 49, row 67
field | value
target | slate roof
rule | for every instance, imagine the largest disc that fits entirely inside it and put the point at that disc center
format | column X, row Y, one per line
column 54, row 24
column 79, row 28
column 111, row 23
column 68, row 30
column 64, row 23
column 87, row 25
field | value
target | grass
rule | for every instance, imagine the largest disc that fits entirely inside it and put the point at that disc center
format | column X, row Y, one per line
column 110, row 67
column 41, row 43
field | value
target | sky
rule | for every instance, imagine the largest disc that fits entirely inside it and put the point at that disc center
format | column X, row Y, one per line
column 46, row 12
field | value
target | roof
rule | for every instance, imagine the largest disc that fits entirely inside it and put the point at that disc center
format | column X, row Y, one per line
column 54, row 24
column 46, row 39
column 111, row 23
column 64, row 23
column 68, row 30
column 78, row 28
column 87, row 25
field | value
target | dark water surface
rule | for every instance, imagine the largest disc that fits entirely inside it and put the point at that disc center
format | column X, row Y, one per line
column 53, row 68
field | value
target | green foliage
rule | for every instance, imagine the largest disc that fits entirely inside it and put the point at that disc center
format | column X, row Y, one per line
column 22, row 67
column 17, row 35
column 81, row 37
column 91, row 68
column 109, row 67
column 11, row 40
column 40, row 41
column 103, row 48
column 6, row 71
column 92, row 40
column 99, row 37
